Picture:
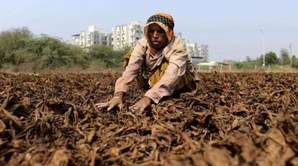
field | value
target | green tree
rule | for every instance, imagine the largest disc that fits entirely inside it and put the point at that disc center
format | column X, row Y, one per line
column 271, row 58
column 11, row 41
column 285, row 57
column 50, row 52
column 294, row 62
column 259, row 60
column 80, row 56
column 106, row 55
column 238, row 65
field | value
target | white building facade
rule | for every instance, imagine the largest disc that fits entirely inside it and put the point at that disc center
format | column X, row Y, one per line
column 126, row 35
column 93, row 36
column 197, row 51
column 123, row 36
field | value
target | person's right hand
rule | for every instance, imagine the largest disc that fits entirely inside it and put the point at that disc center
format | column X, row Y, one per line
column 115, row 101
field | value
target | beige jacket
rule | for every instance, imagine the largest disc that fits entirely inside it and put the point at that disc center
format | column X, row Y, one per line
column 179, row 61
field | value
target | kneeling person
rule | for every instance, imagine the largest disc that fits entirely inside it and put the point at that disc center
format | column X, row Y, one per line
column 159, row 61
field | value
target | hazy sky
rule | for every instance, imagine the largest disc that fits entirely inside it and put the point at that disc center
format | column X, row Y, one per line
column 231, row 28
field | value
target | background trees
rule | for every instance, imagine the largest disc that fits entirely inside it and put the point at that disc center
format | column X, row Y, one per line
column 284, row 57
column 271, row 59
column 19, row 47
column 21, row 50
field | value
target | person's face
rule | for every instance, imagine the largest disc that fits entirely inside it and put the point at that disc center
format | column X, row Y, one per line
column 157, row 37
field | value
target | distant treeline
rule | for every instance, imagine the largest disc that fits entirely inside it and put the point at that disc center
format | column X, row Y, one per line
column 21, row 50
column 271, row 59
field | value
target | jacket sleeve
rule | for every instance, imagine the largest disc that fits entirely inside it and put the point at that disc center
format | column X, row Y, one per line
column 132, row 69
column 166, row 85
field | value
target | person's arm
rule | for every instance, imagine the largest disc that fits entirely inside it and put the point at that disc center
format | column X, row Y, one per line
column 131, row 70
column 128, row 75
column 176, row 69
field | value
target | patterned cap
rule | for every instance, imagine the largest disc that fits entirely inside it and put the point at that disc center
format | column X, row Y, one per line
column 168, row 21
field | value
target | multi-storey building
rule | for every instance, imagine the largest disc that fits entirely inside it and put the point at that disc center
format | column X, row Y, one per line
column 204, row 51
column 108, row 39
column 197, row 51
column 127, row 35
column 93, row 36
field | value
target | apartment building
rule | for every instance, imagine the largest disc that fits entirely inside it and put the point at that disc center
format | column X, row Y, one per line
column 93, row 36
column 126, row 35
column 108, row 39
column 197, row 51
column 204, row 51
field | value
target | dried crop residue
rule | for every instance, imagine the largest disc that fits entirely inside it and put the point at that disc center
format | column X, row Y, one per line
column 234, row 119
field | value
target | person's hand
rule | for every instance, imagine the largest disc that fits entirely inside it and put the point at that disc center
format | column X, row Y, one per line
column 141, row 104
column 115, row 101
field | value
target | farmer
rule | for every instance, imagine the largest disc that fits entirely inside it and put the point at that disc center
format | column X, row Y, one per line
column 159, row 61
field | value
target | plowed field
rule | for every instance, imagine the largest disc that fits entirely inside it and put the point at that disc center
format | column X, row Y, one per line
column 234, row 119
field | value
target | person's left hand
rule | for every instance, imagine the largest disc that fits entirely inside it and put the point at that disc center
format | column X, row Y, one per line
column 141, row 104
